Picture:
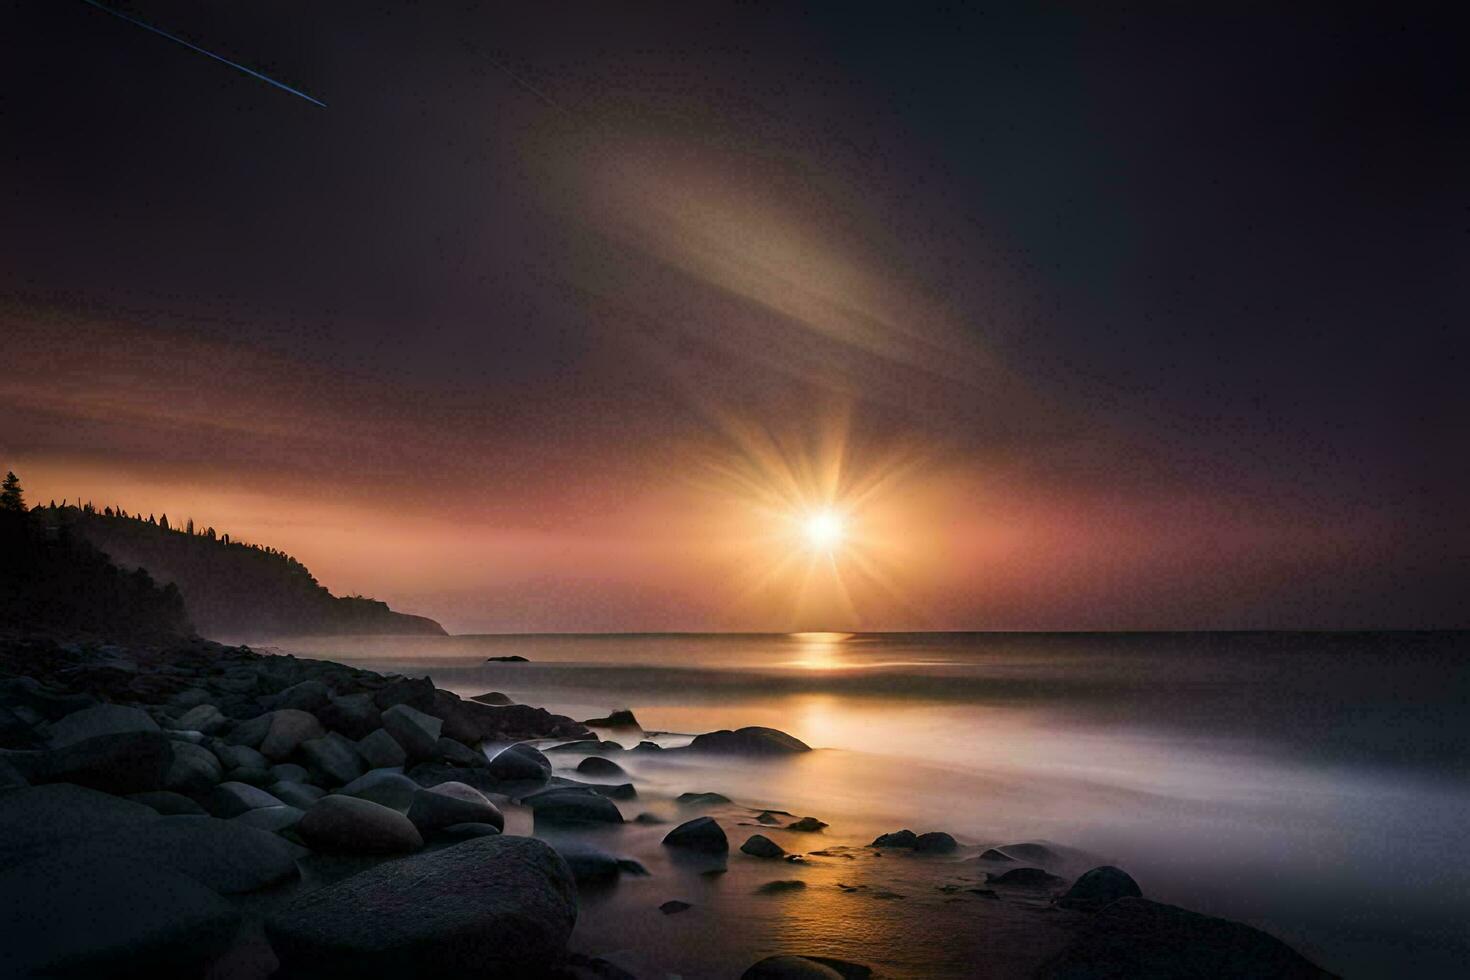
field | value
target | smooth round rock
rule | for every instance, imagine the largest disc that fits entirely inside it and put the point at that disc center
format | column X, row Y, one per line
column 702, row 834
column 350, row 825
column 450, row 803
column 761, row 846
column 1100, row 887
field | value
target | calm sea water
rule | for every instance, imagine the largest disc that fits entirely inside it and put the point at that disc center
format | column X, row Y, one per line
column 1314, row 785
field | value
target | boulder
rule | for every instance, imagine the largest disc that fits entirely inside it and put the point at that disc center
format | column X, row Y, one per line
column 239, row 756
column 416, row 731
column 807, row 825
column 290, row 772
column 99, row 720
column 129, row 762
column 451, row 803
column 647, row 746
column 37, row 819
column 204, row 718
column 492, row 697
column 354, row 715
column 701, row 799
column 250, row 732
column 347, row 824
column 900, row 838
column 1032, row 853
column 587, row 745
column 622, row 718
column 467, row 831
column 492, row 906
column 935, row 842
column 169, row 804
column 309, row 695
column 614, row 791
column 991, row 854
column 513, row 658
column 192, row 769
column 782, row 885
column 700, row 834
column 252, row 777
column 749, row 741
column 673, row 906
column 227, row 856
column 571, row 806
column 387, row 787
column 379, row 750
column 289, row 728
column 190, row 698
column 458, row 754
column 591, row 865
column 1134, row 937
column 473, row 722
column 520, row 761
column 272, row 819
column 596, row 765
column 230, row 799
column 109, row 915
column 788, row 967
column 299, row 795
column 417, row 694
column 1025, row 878
column 332, row 759
column 761, row 846
column 1099, row 887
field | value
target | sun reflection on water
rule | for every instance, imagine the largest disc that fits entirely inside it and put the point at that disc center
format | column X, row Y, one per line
column 819, row 651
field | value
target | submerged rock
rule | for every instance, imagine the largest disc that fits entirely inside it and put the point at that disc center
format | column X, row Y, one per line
column 1025, row 878
column 807, row 825
column 493, row 906
column 700, row 834
column 673, row 906
column 1099, row 887
column 753, row 740
column 701, row 799
column 1134, row 937
column 991, row 854
column 782, row 885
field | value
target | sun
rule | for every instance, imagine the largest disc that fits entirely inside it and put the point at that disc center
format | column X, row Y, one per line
column 824, row 530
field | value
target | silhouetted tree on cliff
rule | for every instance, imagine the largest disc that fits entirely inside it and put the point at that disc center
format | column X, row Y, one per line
column 11, row 497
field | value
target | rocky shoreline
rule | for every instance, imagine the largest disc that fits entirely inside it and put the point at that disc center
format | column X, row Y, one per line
column 199, row 809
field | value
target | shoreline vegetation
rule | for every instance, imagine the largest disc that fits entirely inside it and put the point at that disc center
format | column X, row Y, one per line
column 176, row 805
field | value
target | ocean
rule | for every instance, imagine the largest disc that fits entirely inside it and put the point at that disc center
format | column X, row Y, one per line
column 1314, row 785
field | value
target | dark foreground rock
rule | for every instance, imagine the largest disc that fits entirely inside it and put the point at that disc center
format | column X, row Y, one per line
column 806, row 968
column 1100, row 887
column 88, row 915
column 1137, row 938
column 518, row 762
column 749, row 741
column 350, row 825
column 452, row 803
column 492, row 906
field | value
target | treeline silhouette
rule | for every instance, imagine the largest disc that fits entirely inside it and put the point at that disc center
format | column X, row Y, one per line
column 230, row 588
column 53, row 581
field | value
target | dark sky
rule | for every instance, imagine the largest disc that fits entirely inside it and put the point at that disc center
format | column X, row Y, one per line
column 1165, row 308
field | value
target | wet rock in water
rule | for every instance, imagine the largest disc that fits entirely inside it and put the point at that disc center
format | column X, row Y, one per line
column 591, row 865
column 109, row 915
column 493, row 906
column 807, row 825
column 492, row 697
column 783, row 885
column 770, row 817
column 169, row 804
column 333, row 759
column 649, row 818
column 1034, row 853
column 753, row 740
column 571, row 806
column 761, row 846
column 590, row 745
column 596, row 765
column 647, row 746
column 456, row 753
column 1099, row 887
column 520, row 761
column 673, row 906
column 416, row 731
column 230, row 799
column 299, row 795
column 1134, row 937
column 787, row 967
column 702, row 834
column 204, row 718
column 1025, row 878
column 622, row 718
column 380, row 750
column 192, row 769
column 272, row 819
column 702, row 799
column 900, row 838
column 99, row 720
column 452, row 803
column 355, row 826
column 618, row 791
column 386, row 787
column 354, row 715
column 935, row 842
column 289, row 728
column 991, row 854
column 511, row 659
